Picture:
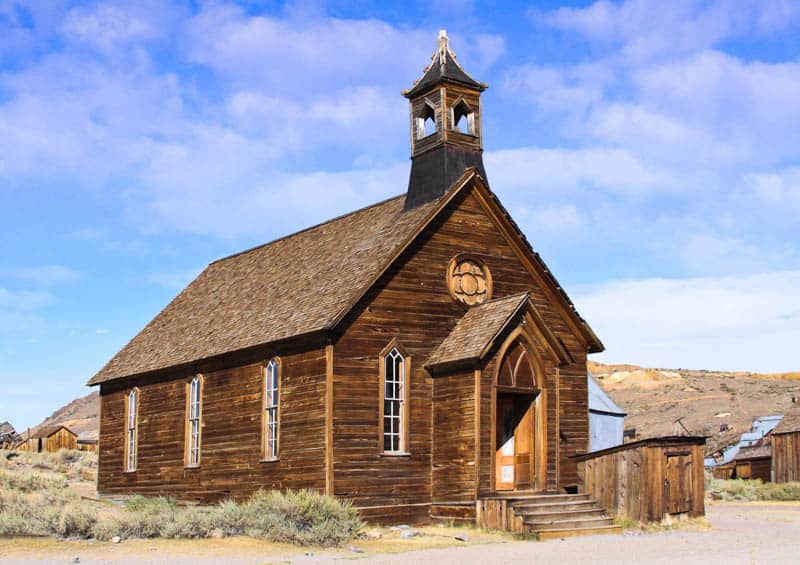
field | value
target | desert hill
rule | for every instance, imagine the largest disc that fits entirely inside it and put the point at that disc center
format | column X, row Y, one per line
column 80, row 415
column 717, row 404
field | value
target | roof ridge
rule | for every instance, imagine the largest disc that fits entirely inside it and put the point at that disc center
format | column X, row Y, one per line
column 315, row 226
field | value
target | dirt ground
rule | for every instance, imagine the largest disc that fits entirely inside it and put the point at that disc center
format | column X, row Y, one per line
column 747, row 533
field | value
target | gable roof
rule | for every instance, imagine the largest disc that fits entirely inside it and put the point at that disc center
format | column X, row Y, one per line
column 298, row 285
column 754, row 452
column 790, row 422
column 476, row 330
column 292, row 286
column 47, row 431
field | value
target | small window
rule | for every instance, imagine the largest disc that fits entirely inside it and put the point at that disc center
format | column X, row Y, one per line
column 271, row 416
column 394, row 400
column 426, row 121
column 463, row 118
column 194, row 415
column 131, row 429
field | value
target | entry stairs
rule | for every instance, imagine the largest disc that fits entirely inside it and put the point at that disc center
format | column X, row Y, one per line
column 548, row 516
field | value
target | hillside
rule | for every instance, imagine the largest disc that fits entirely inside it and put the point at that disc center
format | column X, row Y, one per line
column 80, row 415
column 717, row 404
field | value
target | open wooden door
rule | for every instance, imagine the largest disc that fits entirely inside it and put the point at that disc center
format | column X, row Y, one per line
column 514, row 442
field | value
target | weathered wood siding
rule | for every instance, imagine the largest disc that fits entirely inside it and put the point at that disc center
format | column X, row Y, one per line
column 454, row 438
column 786, row 457
column 648, row 479
column 755, row 468
column 231, row 463
column 411, row 302
column 62, row 439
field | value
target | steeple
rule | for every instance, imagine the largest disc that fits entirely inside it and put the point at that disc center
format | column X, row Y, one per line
column 445, row 109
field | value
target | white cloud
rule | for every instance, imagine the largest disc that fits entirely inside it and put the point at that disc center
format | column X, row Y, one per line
column 43, row 275
column 647, row 28
column 536, row 171
column 738, row 322
column 302, row 55
column 24, row 299
column 173, row 280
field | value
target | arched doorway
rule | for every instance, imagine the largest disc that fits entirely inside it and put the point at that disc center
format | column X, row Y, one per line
column 519, row 418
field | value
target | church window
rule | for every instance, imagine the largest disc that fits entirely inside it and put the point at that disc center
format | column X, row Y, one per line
column 194, row 413
column 271, row 416
column 394, row 373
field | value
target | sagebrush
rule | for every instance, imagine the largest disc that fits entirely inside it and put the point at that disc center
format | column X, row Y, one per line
column 754, row 490
column 36, row 499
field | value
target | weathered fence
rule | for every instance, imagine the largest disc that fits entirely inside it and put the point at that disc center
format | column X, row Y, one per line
column 647, row 479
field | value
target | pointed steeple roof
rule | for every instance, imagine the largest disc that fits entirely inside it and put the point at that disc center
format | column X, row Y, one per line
column 443, row 68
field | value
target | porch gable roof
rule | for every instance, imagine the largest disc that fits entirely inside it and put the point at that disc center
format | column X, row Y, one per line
column 476, row 332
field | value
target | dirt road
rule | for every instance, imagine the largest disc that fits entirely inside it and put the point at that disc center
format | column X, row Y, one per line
column 739, row 534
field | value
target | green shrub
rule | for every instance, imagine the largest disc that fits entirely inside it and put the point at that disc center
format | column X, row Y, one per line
column 74, row 520
column 300, row 517
column 755, row 490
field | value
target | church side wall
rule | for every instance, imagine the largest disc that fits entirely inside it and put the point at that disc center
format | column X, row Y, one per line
column 231, row 463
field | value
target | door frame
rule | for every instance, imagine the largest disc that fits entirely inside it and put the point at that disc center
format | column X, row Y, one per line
column 539, row 440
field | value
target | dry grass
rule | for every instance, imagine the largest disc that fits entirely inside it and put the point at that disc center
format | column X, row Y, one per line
column 39, row 497
column 750, row 491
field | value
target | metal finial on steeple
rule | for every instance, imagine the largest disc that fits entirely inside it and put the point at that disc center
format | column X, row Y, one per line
column 444, row 46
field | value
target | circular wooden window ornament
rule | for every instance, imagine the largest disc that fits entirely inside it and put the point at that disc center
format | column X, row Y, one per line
column 469, row 280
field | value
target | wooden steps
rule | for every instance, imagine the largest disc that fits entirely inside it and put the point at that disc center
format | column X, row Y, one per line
column 547, row 515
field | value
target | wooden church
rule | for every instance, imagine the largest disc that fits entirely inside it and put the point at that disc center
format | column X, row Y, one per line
column 415, row 357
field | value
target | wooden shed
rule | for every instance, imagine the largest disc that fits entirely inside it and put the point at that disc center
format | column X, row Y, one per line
column 647, row 479
column 786, row 448
column 754, row 463
column 50, row 438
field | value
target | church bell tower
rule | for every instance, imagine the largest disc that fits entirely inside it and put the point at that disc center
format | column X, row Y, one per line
column 445, row 106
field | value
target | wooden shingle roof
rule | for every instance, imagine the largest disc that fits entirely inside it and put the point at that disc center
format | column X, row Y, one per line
column 47, row 431
column 299, row 285
column 476, row 330
column 790, row 421
column 292, row 286
column 754, row 452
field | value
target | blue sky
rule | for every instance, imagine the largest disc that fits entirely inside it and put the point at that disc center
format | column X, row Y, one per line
column 650, row 150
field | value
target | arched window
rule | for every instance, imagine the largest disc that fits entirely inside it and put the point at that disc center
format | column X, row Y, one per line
column 194, row 414
column 426, row 121
column 271, row 416
column 463, row 118
column 395, row 373
column 131, row 429
column 516, row 369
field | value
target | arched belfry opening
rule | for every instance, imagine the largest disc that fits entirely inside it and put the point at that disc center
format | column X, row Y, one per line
column 446, row 138
column 520, row 418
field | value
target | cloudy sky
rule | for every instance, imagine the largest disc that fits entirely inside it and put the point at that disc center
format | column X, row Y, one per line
column 650, row 151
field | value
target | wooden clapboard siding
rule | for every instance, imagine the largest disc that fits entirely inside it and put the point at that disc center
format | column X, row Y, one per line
column 454, row 470
column 647, row 479
column 61, row 439
column 231, row 434
column 786, row 457
column 411, row 303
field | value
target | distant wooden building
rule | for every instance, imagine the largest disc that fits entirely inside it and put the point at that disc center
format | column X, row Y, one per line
column 753, row 463
column 50, row 438
column 413, row 357
column 786, row 447
column 86, row 443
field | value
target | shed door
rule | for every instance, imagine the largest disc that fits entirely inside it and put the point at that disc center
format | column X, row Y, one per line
column 678, row 482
